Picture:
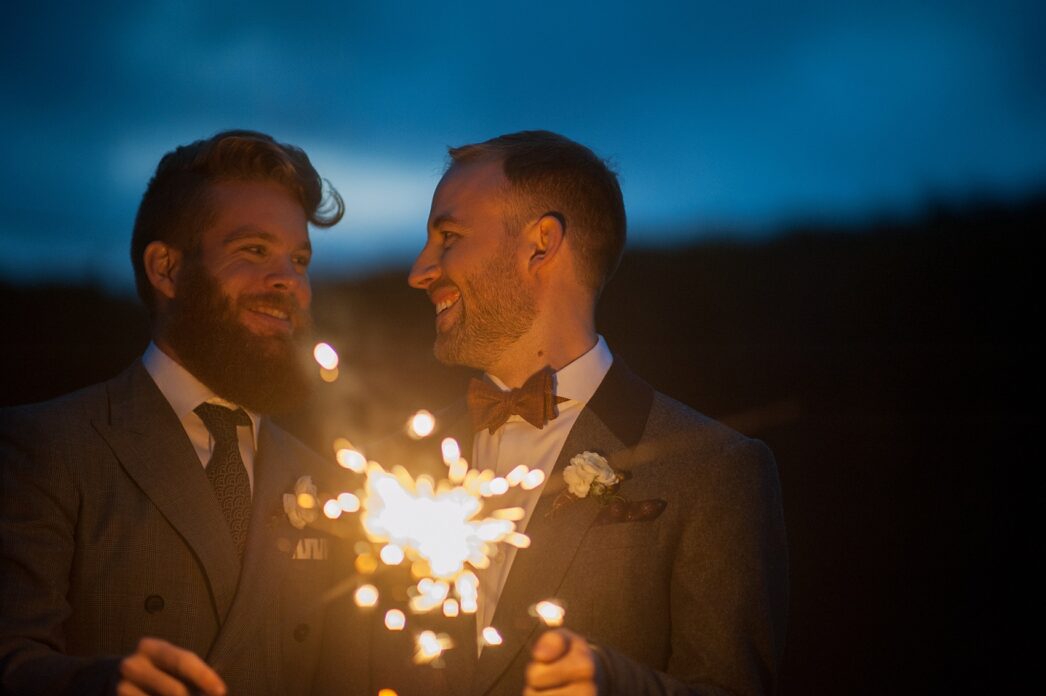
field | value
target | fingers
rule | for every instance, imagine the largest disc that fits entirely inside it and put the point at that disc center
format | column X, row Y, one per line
column 158, row 667
column 551, row 645
column 563, row 664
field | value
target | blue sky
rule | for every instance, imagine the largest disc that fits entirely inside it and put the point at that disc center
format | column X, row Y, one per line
column 733, row 116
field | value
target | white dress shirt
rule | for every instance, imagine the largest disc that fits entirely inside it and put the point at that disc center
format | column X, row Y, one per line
column 518, row 442
column 184, row 393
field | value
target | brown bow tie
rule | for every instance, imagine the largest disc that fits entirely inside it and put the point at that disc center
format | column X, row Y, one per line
column 535, row 402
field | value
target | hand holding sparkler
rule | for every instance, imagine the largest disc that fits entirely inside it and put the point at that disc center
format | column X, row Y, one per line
column 564, row 663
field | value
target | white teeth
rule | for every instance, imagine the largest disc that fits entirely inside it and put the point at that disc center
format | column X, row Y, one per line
column 272, row 312
column 444, row 305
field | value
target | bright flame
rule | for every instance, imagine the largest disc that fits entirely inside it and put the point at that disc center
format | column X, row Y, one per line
column 551, row 612
column 395, row 620
column 451, row 450
column 366, row 596
column 326, row 356
column 421, row 424
column 387, row 692
column 491, row 636
column 306, row 501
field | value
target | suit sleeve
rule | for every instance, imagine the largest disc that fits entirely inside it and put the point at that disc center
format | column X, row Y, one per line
column 729, row 587
column 38, row 516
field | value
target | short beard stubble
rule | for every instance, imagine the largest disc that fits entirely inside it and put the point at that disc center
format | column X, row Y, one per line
column 496, row 310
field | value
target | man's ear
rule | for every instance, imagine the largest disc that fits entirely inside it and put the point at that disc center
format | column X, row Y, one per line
column 162, row 263
column 546, row 240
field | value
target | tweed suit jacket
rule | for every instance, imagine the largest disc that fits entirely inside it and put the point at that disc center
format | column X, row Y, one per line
column 110, row 531
column 693, row 601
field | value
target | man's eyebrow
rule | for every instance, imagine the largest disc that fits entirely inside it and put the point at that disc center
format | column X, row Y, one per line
column 252, row 232
column 443, row 219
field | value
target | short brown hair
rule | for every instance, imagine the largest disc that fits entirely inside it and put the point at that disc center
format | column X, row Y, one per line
column 176, row 205
column 549, row 173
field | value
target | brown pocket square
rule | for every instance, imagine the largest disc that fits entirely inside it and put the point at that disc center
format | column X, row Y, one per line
column 631, row 511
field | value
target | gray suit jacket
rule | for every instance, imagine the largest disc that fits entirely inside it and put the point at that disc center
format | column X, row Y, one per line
column 110, row 531
column 693, row 601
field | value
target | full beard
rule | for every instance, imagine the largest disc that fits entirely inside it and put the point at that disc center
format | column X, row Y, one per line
column 496, row 310
column 262, row 373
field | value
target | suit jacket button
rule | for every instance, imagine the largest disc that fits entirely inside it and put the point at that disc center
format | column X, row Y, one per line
column 301, row 632
column 154, row 603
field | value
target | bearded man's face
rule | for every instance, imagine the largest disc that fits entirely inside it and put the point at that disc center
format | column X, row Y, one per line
column 239, row 317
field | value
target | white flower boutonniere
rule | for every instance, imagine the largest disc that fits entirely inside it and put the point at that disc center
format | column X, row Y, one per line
column 298, row 514
column 589, row 476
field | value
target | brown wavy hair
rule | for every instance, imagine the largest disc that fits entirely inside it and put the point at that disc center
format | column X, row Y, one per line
column 176, row 206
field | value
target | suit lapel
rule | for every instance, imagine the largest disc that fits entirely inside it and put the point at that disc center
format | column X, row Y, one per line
column 611, row 424
column 153, row 449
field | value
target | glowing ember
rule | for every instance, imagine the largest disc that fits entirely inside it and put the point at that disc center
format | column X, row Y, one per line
column 366, row 596
column 429, row 646
column 387, row 692
column 391, row 554
column 550, row 612
column 421, row 425
column 332, row 509
column 329, row 375
column 395, row 620
column 326, row 356
column 491, row 636
column 306, row 501
column 533, row 479
column 351, row 459
column 451, row 450
column 348, row 502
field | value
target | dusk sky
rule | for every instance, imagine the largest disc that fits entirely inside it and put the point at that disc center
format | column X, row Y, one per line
column 740, row 117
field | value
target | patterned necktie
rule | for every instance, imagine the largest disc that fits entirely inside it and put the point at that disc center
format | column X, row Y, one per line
column 535, row 402
column 226, row 471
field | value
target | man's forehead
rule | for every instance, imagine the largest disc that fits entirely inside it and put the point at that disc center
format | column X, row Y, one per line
column 469, row 185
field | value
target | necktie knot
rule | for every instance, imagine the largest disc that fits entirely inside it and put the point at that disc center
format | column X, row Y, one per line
column 535, row 402
column 222, row 421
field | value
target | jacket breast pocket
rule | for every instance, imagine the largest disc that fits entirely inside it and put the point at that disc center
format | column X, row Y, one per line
column 621, row 535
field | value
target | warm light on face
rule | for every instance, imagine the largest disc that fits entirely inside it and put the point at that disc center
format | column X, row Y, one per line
column 550, row 612
column 326, row 356
column 421, row 424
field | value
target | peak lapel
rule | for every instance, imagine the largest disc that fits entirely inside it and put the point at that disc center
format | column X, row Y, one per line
column 151, row 445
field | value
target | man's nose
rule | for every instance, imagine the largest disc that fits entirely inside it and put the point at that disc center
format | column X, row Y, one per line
column 286, row 276
column 425, row 271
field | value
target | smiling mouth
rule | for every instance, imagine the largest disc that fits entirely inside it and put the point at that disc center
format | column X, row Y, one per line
column 444, row 305
column 272, row 312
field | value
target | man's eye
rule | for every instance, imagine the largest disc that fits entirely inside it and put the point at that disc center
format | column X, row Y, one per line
column 302, row 260
column 256, row 249
column 449, row 237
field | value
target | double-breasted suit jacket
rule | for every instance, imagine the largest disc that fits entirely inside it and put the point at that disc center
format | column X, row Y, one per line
column 110, row 531
column 690, row 601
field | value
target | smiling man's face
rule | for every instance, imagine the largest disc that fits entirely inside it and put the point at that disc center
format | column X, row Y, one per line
column 241, row 306
column 472, row 268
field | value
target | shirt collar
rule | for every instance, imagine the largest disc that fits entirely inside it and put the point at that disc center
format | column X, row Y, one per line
column 579, row 379
column 182, row 390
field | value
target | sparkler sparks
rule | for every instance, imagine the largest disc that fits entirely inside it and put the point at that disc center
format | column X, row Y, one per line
column 551, row 612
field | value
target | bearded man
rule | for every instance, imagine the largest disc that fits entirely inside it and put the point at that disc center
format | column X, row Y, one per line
column 143, row 543
column 677, row 582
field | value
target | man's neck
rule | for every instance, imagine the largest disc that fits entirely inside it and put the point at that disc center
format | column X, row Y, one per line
column 528, row 355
